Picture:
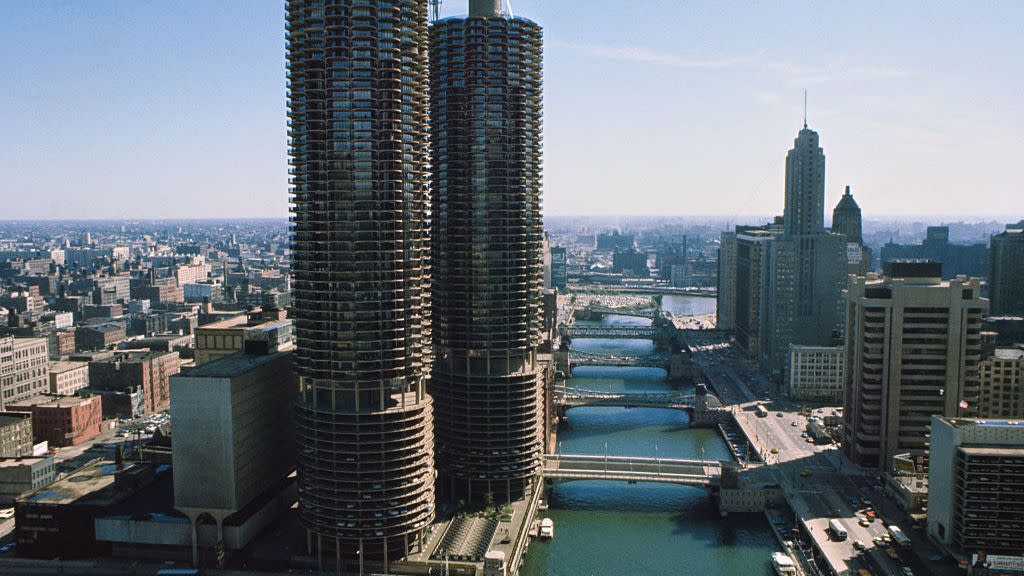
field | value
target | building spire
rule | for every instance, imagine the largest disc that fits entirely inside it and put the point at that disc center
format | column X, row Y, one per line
column 805, row 109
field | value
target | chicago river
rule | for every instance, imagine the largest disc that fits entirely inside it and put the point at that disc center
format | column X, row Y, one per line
column 608, row 527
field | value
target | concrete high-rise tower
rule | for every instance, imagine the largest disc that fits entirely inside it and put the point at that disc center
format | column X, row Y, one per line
column 485, row 73
column 357, row 72
column 1006, row 276
column 805, row 186
column 914, row 346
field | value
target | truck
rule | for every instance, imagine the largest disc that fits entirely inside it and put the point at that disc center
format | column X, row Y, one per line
column 837, row 529
column 898, row 536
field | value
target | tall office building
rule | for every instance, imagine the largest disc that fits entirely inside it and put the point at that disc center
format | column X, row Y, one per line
column 1007, row 271
column 805, row 186
column 914, row 344
column 725, row 311
column 847, row 220
column 485, row 73
column 805, row 270
column 357, row 72
column 1001, row 375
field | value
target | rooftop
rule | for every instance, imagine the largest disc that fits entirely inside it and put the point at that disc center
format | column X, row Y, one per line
column 1009, row 353
column 60, row 366
column 51, row 401
column 8, row 418
column 233, row 365
column 23, row 461
column 102, row 483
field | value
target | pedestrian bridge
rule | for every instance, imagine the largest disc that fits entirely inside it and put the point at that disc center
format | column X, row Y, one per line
column 565, row 467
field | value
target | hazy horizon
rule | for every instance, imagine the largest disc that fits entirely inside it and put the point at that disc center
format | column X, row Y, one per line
column 133, row 110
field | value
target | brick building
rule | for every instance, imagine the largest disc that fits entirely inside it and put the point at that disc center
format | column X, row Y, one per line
column 63, row 420
column 99, row 337
column 145, row 372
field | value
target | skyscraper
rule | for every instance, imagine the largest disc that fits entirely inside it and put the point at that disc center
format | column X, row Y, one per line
column 914, row 345
column 485, row 73
column 1007, row 272
column 805, row 186
column 805, row 267
column 357, row 72
column 846, row 218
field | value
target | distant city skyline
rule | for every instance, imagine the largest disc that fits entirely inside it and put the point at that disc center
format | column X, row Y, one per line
column 126, row 110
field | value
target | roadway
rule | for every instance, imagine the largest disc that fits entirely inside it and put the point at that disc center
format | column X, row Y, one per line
column 632, row 469
column 816, row 489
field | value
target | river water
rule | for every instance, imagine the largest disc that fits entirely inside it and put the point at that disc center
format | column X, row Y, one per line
column 613, row 528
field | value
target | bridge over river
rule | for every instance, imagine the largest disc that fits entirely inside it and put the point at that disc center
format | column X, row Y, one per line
column 564, row 467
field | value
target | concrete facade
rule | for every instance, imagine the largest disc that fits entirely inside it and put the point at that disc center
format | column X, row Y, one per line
column 1007, row 271
column 817, row 373
column 68, row 377
column 1001, row 376
column 726, row 309
column 975, row 493
column 24, row 368
column 15, row 434
column 21, row 475
column 915, row 344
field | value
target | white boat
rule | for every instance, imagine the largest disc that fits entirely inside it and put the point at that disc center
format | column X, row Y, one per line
column 547, row 528
column 783, row 564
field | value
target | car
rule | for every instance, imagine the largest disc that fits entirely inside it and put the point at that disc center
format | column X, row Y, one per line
column 780, row 414
column 805, row 472
column 907, row 571
column 864, row 522
column 865, row 501
column 858, row 545
column 6, row 513
column 774, row 450
column 878, row 540
column 793, row 423
column 6, row 548
column 892, row 553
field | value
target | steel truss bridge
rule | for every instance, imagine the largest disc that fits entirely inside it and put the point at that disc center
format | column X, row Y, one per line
column 638, row 332
column 580, row 358
column 700, row 473
column 574, row 397
column 635, row 311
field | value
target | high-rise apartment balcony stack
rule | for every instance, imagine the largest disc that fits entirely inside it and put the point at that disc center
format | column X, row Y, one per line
column 487, row 251
column 359, row 146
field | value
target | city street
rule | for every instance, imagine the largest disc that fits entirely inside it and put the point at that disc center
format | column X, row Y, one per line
column 818, row 486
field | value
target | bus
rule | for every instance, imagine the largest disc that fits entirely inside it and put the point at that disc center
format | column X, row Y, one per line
column 761, row 411
column 838, row 532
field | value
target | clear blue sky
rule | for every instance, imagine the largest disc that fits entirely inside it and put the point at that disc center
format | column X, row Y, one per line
column 158, row 108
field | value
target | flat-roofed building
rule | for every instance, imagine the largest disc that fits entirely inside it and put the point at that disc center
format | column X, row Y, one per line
column 817, row 373
column 99, row 337
column 15, row 434
column 63, row 420
column 59, row 520
column 976, row 486
column 21, row 475
column 24, row 369
column 1002, row 384
column 129, row 372
column 68, row 377
column 914, row 344
column 233, row 440
column 228, row 336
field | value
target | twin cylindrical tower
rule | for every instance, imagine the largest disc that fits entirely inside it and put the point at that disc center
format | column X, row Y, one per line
column 361, row 130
